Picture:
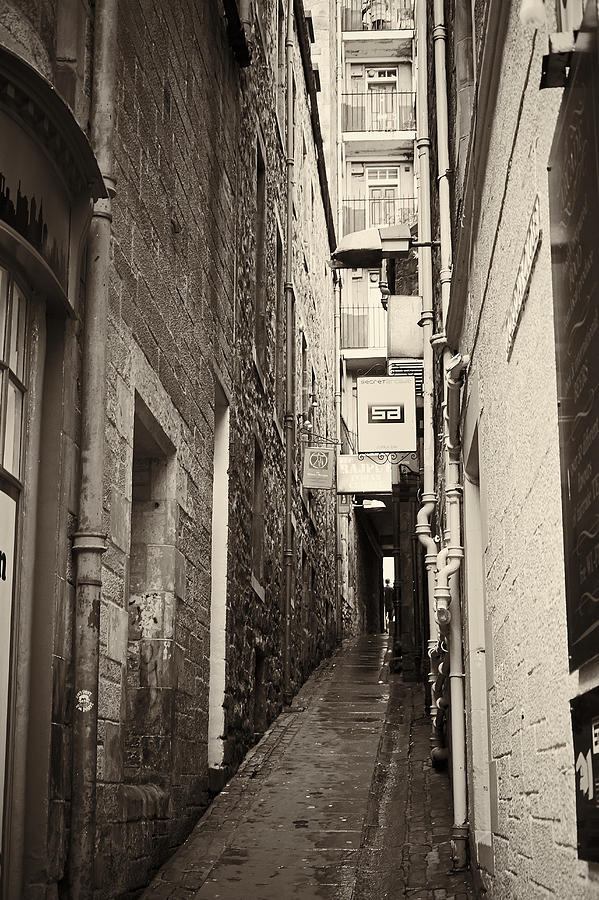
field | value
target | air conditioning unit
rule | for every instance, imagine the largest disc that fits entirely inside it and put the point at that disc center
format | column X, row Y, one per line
column 413, row 367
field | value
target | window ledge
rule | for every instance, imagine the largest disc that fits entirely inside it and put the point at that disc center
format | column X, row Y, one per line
column 258, row 367
column 257, row 588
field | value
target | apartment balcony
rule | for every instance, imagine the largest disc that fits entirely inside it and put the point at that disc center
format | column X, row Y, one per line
column 384, row 28
column 378, row 120
column 378, row 15
column 363, row 328
column 361, row 214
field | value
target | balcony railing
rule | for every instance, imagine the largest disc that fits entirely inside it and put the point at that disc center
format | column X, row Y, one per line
column 363, row 326
column 360, row 214
column 379, row 111
column 377, row 15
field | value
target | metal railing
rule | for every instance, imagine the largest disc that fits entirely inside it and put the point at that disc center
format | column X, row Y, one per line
column 379, row 111
column 360, row 214
column 377, row 15
column 363, row 326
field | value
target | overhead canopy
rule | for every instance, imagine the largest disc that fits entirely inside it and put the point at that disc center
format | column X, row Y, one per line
column 367, row 249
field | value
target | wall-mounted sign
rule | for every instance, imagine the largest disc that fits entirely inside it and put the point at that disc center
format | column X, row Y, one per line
column 363, row 476
column 318, row 467
column 520, row 292
column 574, row 208
column 386, row 414
column 34, row 204
column 585, row 731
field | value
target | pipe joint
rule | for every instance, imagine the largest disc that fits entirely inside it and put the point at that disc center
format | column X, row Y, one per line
column 423, row 143
column 91, row 541
column 439, row 32
column 426, row 318
column 439, row 340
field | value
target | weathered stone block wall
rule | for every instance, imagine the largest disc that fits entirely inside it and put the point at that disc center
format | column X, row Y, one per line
column 255, row 624
column 181, row 318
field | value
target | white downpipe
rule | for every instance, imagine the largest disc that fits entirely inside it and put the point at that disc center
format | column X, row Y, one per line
column 338, row 516
column 425, row 283
column 439, row 39
column 447, row 596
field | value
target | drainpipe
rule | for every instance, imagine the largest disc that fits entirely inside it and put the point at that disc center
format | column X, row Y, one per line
column 290, row 337
column 338, row 551
column 425, row 279
column 447, row 596
column 89, row 542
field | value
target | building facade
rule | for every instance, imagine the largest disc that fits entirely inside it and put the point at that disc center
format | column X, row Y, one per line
column 378, row 333
column 168, row 351
column 512, row 102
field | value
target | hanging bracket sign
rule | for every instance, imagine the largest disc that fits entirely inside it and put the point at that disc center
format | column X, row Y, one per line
column 386, row 414
column 318, row 468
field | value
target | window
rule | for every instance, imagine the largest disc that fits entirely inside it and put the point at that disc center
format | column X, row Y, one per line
column 260, row 299
column 279, row 333
column 280, row 63
column 152, row 600
column 569, row 14
column 13, row 320
column 258, row 516
column 305, row 388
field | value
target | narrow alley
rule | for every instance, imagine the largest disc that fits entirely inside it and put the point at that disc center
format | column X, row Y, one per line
column 299, row 449
column 338, row 800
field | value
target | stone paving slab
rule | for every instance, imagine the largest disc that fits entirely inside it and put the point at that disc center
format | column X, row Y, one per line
column 337, row 801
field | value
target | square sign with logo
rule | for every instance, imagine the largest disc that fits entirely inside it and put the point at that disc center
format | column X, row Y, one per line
column 318, row 468
column 386, row 414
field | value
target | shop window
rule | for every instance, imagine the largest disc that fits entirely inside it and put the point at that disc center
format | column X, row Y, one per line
column 13, row 320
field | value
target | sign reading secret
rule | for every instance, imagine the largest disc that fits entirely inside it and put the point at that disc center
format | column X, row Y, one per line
column 386, row 414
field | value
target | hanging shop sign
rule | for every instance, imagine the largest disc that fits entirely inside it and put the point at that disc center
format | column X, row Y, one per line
column 585, row 731
column 386, row 414
column 363, row 476
column 318, row 468
column 574, row 210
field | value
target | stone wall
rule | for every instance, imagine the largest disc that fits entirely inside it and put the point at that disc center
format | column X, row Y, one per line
column 190, row 124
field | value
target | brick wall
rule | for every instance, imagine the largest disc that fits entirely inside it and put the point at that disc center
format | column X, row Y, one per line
column 532, row 781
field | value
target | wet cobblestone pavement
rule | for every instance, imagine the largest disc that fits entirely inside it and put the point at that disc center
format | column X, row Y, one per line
column 337, row 801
